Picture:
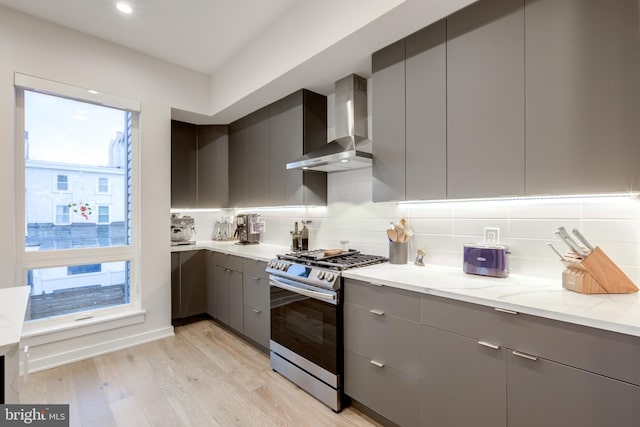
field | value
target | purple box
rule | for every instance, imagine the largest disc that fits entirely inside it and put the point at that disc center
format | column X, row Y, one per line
column 486, row 260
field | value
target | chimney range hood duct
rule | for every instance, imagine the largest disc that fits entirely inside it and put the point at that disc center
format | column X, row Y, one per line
column 351, row 149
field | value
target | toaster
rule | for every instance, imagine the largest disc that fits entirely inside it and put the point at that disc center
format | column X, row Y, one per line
column 486, row 260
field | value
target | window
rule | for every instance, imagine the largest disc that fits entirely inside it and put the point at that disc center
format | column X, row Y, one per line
column 103, row 214
column 103, row 185
column 63, row 183
column 62, row 215
column 71, row 134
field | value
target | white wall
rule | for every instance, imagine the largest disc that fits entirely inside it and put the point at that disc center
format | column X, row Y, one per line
column 34, row 47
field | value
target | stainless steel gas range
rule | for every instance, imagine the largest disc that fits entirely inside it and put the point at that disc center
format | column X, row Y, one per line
column 307, row 321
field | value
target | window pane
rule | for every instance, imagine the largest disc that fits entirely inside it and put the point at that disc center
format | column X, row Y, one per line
column 76, row 144
column 71, row 289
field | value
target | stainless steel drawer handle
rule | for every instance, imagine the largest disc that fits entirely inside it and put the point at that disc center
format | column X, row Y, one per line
column 376, row 284
column 377, row 312
column 504, row 310
column 376, row 363
column 255, row 310
column 488, row 344
column 256, row 278
column 526, row 356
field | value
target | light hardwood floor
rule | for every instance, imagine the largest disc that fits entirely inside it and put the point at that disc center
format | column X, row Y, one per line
column 204, row 376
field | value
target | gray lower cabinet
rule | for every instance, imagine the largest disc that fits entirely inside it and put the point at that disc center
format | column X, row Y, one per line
column 498, row 368
column 256, row 299
column 485, row 100
column 188, row 287
column 583, row 96
column 463, row 381
column 224, row 297
column 184, row 164
column 382, row 350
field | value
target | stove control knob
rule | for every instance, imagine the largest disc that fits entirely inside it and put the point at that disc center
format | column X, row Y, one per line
column 283, row 266
column 328, row 277
column 270, row 264
column 320, row 275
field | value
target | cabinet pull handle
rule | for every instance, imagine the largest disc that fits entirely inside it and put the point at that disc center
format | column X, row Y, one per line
column 526, row 356
column 488, row 344
column 256, row 278
column 377, row 312
column 255, row 310
column 376, row 284
column 376, row 363
column 504, row 310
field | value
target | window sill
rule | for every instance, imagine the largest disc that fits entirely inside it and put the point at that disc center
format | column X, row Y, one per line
column 38, row 336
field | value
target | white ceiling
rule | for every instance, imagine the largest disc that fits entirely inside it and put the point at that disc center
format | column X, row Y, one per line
column 198, row 34
column 256, row 51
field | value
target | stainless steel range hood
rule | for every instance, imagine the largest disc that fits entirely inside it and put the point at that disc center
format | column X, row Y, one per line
column 351, row 149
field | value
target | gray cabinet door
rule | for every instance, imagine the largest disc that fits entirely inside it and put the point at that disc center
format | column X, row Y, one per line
column 210, row 276
column 426, row 113
column 388, row 128
column 544, row 393
column 221, row 295
column 236, row 307
column 463, row 382
column 297, row 124
column 184, row 182
column 175, row 285
column 193, row 289
column 583, row 96
column 256, row 164
column 238, row 152
column 485, row 100
column 213, row 166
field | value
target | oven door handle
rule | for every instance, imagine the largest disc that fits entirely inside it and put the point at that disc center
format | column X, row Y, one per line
column 302, row 291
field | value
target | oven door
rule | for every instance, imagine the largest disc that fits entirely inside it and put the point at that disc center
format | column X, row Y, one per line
column 307, row 322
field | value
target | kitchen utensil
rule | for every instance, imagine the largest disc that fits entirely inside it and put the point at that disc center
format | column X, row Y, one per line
column 393, row 235
column 562, row 258
column 400, row 238
column 582, row 239
column 329, row 252
column 561, row 232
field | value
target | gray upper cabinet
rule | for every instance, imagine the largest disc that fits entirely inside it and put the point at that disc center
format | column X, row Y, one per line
column 426, row 114
column 485, row 100
column 297, row 124
column 583, row 96
column 199, row 160
column 249, row 160
column 184, row 161
column 213, row 163
column 388, row 129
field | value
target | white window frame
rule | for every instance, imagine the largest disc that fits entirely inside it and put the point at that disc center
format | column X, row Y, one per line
column 98, row 214
column 55, row 215
column 57, row 184
column 98, row 185
column 58, row 327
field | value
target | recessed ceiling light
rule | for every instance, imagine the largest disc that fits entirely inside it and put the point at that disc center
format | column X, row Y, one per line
column 124, row 7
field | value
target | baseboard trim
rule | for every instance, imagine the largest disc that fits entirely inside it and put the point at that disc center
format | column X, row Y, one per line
column 75, row 355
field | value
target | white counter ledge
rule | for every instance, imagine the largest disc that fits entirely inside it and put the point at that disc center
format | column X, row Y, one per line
column 530, row 295
column 261, row 251
column 13, row 305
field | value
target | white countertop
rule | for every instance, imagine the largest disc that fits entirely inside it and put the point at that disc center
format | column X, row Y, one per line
column 260, row 251
column 536, row 296
column 13, row 305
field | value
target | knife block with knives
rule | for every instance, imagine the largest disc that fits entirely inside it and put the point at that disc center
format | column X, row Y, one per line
column 589, row 270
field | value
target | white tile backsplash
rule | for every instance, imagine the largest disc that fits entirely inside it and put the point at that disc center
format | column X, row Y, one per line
column 442, row 228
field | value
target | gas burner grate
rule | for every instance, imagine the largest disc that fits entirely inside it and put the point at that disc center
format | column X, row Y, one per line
column 342, row 261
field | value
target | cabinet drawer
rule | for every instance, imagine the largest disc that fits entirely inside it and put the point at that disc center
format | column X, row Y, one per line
column 394, row 302
column 607, row 353
column 257, row 325
column 390, row 393
column 254, row 268
column 232, row 262
column 391, row 340
column 255, row 291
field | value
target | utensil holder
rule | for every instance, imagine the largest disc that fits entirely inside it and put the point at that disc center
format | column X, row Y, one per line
column 596, row 274
column 398, row 252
